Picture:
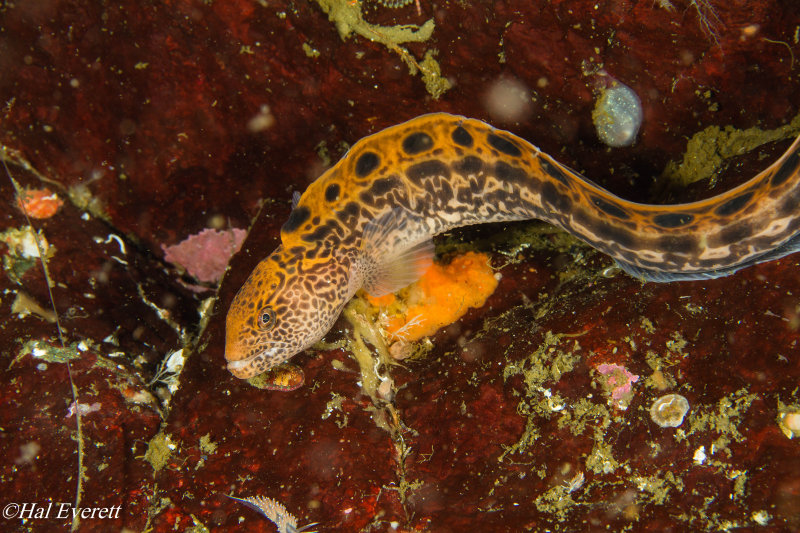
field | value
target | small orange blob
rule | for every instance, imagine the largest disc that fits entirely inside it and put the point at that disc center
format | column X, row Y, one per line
column 440, row 297
column 285, row 377
column 39, row 203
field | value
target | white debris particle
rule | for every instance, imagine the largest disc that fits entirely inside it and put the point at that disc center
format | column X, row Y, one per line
column 699, row 455
column 761, row 518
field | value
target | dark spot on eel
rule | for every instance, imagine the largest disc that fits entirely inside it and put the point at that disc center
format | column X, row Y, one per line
column 503, row 145
column 787, row 169
column 366, row 163
column 381, row 186
column 734, row 204
column 509, row 174
column 351, row 210
column 417, row 142
column 609, row 208
column 470, row 165
column 673, row 220
column 427, row 169
column 296, row 219
column 733, row 234
column 318, row 234
column 461, row 137
column 554, row 172
column 554, row 199
column 610, row 232
column 332, row 192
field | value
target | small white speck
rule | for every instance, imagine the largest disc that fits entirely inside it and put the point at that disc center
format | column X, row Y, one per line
column 261, row 121
column 38, row 352
column 175, row 361
column 699, row 455
column 761, row 518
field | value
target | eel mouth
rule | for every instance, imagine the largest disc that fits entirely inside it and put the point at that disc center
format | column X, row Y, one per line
column 245, row 368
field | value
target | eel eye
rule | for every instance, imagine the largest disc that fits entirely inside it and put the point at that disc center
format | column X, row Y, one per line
column 266, row 318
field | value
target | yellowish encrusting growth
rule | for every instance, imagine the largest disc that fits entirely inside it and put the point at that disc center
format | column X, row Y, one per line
column 347, row 16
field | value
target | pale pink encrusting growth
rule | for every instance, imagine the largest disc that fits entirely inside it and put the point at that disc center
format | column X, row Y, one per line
column 205, row 255
column 619, row 379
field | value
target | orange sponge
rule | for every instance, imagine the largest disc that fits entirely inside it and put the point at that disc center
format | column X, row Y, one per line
column 439, row 298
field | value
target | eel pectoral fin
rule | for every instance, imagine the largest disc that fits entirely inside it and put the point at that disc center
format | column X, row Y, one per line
column 396, row 251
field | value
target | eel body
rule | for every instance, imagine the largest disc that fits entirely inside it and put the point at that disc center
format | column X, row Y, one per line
column 368, row 222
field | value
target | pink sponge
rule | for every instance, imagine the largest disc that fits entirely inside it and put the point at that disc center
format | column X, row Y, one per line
column 205, row 255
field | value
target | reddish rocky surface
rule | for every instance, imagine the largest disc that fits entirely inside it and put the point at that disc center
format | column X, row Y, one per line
column 155, row 122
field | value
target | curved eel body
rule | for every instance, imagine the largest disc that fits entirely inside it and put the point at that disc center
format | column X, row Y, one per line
column 367, row 222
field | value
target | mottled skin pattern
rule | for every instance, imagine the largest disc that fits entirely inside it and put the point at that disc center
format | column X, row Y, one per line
column 446, row 171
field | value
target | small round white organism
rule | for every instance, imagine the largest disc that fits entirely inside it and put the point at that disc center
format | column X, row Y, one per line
column 617, row 115
column 669, row 410
column 789, row 421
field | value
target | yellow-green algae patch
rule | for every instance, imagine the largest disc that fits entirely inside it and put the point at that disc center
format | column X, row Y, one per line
column 722, row 420
column 365, row 329
column 207, row 445
column 658, row 486
column 310, row 51
column 549, row 362
column 335, row 404
column 714, row 425
column 51, row 352
column 584, row 413
column 707, row 151
column 159, row 450
column 601, row 459
column 347, row 17
column 435, row 83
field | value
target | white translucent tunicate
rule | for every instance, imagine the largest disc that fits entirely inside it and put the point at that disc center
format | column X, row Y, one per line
column 617, row 115
column 669, row 410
